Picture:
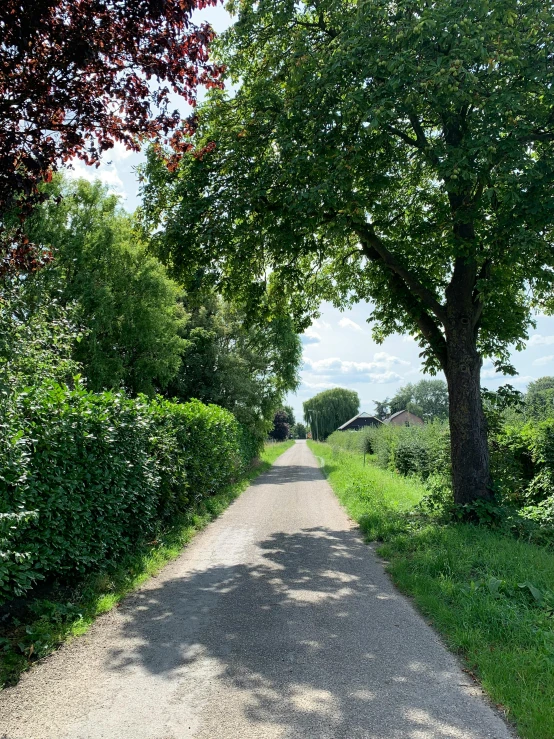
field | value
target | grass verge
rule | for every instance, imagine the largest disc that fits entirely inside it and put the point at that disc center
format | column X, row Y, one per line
column 42, row 624
column 489, row 595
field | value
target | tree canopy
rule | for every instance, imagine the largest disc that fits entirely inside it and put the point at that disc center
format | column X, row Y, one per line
column 281, row 427
column 394, row 153
column 244, row 367
column 426, row 398
column 126, row 304
column 328, row 410
column 539, row 398
column 77, row 77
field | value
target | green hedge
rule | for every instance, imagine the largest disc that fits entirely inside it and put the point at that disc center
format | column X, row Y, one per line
column 421, row 450
column 523, row 468
column 522, row 465
column 85, row 476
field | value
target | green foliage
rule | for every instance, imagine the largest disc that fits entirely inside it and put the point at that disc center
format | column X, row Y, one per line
column 101, row 473
column 125, row 300
column 422, row 137
column 245, row 368
column 409, row 450
column 522, row 462
column 539, row 398
column 328, row 410
column 376, row 152
column 298, row 431
column 427, row 399
column 353, row 441
column 490, row 596
column 37, row 335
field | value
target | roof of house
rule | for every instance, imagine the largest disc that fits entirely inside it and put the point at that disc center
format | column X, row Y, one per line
column 399, row 413
column 363, row 414
column 393, row 415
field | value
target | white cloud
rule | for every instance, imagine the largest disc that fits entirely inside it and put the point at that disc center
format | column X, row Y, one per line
column 107, row 174
column 310, row 337
column 538, row 340
column 319, row 385
column 347, row 323
column 409, row 339
column 119, row 152
column 385, row 359
column 385, row 377
column 544, row 360
column 321, row 324
column 524, row 380
column 490, row 373
column 336, row 366
column 339, row 370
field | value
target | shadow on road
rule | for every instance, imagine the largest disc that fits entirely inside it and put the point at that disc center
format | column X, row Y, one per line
column 294, row 473
column 310, row 636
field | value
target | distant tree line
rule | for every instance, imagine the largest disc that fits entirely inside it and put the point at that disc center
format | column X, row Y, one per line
column 428, row 399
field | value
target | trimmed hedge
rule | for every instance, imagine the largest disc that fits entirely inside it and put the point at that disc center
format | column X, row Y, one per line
column 85, row 477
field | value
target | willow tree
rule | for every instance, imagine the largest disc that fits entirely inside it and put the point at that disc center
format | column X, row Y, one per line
column 400, row 153
column 328, row 410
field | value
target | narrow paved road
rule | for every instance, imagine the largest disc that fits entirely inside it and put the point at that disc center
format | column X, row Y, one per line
column 277, row 621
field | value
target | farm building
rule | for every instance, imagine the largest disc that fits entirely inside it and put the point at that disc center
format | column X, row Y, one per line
column 359, row 422
column 404, row 418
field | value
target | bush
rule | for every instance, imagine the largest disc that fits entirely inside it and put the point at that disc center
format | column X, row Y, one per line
column 87, row 476
column 412, row 450
column 353, row 441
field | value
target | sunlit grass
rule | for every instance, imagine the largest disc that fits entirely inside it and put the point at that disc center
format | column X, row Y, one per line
column 70, row 612
column 468, row 581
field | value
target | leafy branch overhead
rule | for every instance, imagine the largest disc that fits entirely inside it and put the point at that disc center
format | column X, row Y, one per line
column 398, row 154
column 78, row 76
column 394, row 152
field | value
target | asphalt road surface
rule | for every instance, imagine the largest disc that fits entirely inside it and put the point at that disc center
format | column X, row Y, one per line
column 277, row 621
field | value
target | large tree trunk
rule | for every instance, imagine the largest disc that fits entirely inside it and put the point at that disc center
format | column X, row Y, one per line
column 468, row 428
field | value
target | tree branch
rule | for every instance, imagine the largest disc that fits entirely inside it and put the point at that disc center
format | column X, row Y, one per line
column 413, row 307
column 404, row 136
column 368, row 237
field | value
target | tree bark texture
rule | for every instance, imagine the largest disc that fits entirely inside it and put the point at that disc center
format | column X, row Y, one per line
column 468, row 427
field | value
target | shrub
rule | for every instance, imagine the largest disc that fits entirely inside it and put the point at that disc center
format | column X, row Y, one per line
column 411, row 450
column 353, row 441
column 86, row 476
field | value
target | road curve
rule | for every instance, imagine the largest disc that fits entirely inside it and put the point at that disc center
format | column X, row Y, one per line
column 276, row 622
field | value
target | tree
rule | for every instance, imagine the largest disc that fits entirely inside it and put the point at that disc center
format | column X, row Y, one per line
column 539, row 398
column 328, row 410
column 281, row 428
column 382, row 408
column 298, row 431
column 397, row 153
column 426, row 398
column 77, row 77
column 37, row 336
column 245, row 368
column 290, row 415
column 125, row 302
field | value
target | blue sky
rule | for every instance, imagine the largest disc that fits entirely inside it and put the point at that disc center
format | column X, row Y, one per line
column 338, row 348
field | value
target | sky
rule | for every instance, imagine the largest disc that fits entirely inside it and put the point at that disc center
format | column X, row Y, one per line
column 338, row 350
